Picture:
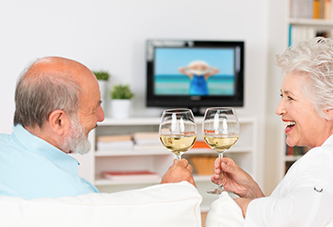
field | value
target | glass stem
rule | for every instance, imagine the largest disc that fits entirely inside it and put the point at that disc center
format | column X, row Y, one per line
column 220, row 187
column 178, row 155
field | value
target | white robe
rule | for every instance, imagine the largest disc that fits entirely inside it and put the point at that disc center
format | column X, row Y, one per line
column 303, row 198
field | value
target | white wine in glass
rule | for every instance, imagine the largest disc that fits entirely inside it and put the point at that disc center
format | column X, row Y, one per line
column 178, row 130
column 220, row 132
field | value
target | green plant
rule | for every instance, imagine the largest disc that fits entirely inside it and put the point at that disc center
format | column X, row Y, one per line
column 101, row 75
column 121, row 92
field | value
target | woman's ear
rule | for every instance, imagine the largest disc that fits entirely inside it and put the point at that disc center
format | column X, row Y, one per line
column 59, row 122
column 329, row 113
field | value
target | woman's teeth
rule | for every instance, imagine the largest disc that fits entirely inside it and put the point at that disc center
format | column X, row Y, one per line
column 288, row 123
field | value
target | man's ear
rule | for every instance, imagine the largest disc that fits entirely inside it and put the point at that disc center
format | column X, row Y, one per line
column 59, row 122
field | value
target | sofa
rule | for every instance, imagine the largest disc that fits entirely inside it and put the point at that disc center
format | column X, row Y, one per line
column 155, row 206
column 174, row 205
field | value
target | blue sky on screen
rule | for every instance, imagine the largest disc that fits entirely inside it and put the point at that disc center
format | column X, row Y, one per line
column 169, row 60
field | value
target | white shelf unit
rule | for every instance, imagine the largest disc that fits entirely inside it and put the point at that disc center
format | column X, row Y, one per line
column 300, row 28
column 317, row 23
column 157, row 158
column 291, row 158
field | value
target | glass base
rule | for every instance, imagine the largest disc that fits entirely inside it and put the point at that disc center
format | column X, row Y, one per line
column 215, row 191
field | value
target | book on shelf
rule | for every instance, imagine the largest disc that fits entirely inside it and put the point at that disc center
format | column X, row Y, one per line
column 301, row 9
column 126, row 176
column 102, row 146
column 114, row 142
column 316, row 9
column 299, row 33
column 311, row 9
column 113, row 138
column 296, row 150
column 146, row 138
column 148, row 147
column 322, row 9
column 328, row 10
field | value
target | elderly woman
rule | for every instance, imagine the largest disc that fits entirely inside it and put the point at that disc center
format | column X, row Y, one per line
column 305, row 196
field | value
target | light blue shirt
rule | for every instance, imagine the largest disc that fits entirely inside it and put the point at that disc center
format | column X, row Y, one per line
column 32, row 168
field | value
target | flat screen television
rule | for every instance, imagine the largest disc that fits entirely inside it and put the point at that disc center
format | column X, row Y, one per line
column 194, row 74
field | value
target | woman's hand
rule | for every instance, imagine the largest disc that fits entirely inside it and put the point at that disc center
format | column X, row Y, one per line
column 235, row 179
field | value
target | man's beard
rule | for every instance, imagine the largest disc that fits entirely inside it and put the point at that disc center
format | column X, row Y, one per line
column 77, row 141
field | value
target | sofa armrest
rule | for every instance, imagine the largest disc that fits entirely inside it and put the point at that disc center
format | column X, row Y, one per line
column 224, row 212
column 160, row 205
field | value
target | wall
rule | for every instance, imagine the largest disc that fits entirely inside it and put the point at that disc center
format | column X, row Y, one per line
column 277, row 43
column 111, row 35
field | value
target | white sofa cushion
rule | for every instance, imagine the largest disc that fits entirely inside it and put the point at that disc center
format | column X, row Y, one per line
column 161, row 205
column 224, row 212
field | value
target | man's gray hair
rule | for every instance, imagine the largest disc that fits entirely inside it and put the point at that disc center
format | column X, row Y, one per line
column 38, row 95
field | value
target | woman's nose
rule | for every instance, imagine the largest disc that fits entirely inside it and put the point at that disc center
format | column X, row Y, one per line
column 280, row 110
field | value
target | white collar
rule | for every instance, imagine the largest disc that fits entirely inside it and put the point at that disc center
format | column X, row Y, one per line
column 328, row 141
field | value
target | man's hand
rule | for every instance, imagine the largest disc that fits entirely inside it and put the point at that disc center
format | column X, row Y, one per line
column 179, row 171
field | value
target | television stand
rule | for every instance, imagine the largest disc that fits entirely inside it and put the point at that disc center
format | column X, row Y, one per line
column 198, row 111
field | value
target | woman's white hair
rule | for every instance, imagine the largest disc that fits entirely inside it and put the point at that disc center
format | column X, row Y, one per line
column 312, row 59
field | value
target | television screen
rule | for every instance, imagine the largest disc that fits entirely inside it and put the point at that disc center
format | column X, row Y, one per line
column 169, row 80
column 194, row 73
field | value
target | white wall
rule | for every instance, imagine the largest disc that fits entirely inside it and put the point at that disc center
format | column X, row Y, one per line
column 111, row 34
column 277, row 43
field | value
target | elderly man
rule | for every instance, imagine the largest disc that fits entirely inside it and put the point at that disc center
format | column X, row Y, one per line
column 57, row 105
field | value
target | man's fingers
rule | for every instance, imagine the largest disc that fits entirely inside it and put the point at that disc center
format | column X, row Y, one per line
column 183, row 162
column 190, row 168
column 217, row 163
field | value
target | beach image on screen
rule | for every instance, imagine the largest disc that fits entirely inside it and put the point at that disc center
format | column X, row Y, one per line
column 169, row 81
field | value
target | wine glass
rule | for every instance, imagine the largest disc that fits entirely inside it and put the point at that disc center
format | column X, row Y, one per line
column 178, row 130
column 220, row 132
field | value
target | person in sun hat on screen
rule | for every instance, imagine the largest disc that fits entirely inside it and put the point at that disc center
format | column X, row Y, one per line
column 198, row 72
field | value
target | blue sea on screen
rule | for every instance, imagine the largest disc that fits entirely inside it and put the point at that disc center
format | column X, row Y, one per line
column 180, row 85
